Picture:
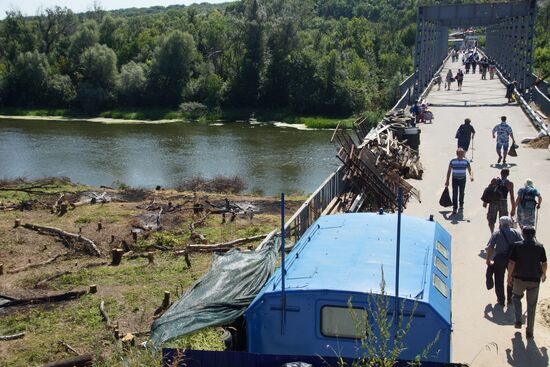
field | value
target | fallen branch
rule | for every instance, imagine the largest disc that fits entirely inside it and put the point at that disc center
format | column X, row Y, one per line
column 79, row 361
column 219, row 246
column 45, row 299
column 89, row 245
column 36, row 265
column 12, row 337
column 69, row 348
column 104, row 314
column 192, row 226
column 43, row 282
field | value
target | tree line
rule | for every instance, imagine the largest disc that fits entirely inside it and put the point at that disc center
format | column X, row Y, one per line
column 331, row 57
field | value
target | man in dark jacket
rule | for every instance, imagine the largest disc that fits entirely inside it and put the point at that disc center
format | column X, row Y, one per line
column 498, row 249
column 526, row 269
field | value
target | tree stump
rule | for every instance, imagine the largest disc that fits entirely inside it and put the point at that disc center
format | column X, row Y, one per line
column 17, row 223
column 166, row 300
column 1, row 269
column 99, row 226
column 151, row 258
column 93, row 289
column 116, row 256
column 112, row 238
column 134, row 235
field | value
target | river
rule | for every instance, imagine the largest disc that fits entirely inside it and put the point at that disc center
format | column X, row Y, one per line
column 270, row 159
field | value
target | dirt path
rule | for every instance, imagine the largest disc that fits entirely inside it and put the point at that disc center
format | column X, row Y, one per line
column 484, row 334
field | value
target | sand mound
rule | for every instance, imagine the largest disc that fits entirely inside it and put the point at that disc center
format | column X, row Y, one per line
column 544, row 307
column 539, row 143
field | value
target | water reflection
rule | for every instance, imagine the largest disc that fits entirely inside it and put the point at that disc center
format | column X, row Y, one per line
column 270, row 159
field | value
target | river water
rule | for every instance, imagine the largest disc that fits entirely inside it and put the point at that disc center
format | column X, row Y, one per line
column 270, row 159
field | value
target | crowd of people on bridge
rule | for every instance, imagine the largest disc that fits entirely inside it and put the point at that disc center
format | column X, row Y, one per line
column 515, row 259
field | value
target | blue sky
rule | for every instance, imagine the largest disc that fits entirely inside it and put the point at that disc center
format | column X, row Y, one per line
column 30, row 7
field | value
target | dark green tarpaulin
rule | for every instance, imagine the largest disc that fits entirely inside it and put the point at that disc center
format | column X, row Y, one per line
column 221, row 295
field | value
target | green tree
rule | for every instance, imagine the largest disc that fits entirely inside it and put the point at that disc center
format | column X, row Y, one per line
column 85, row 37
column 28, row 81
column 99, row 77
column 54, row 24
column 172, row 67
column 132, row 83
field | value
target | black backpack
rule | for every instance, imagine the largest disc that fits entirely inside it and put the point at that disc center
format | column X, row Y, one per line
column 492, row 192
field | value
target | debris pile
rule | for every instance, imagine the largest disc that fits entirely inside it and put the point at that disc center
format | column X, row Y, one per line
column 540, row 142
column 375, row 168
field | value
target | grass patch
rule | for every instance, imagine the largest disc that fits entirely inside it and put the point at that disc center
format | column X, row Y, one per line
column 168, row 270
column 142, row 114
column 49, row 186
column 99, row 213
column 45, row 327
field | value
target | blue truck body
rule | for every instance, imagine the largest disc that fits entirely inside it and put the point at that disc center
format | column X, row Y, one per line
column 334, row 273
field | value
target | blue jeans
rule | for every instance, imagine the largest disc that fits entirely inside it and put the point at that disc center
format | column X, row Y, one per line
column 458, row 192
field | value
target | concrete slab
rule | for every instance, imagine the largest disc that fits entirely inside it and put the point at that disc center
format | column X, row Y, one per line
column 484, row 334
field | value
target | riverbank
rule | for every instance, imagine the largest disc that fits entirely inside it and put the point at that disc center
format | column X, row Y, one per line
column 131, row 291
column 149, row 116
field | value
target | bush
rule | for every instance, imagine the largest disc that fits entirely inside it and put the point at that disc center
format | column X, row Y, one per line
column 231, row 185
column 193, row 110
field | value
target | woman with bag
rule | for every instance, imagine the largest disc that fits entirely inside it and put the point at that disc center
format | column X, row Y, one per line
column 527, row 203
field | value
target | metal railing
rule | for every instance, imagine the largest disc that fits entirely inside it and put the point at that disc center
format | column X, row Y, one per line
column 541, row 100
column 313, row 207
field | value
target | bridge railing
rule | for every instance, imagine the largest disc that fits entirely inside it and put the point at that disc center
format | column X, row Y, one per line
column 313, row 207
column 541, row 100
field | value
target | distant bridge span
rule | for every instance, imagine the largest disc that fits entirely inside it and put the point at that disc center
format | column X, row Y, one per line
column 509, row 38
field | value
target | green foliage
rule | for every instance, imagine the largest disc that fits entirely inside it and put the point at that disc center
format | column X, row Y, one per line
column 309, row 57
column 172, row 66
column 132, row 83
column 30, row 76
column 193, row 110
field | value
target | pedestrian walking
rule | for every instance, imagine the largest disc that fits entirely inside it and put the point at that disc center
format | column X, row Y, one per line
column 495, row 197
column 467, row 65
column 483, row 66
column 438, row 80
column 526, row 269
column 459, row 78
column 528, row 203
column 510, row 87
column 458, row 167
column 465, row 134
column 449, row 79
column 474, row 64
column 498, row 252
column 416, row 111
column 503, row 132
column 492, row 68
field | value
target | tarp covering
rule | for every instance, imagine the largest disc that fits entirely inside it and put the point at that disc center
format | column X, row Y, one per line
column 221, row 295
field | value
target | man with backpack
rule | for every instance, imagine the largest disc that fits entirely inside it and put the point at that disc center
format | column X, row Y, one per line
column 498, row 250
column 495, row 196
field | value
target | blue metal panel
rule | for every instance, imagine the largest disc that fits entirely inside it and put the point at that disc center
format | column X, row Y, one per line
column 203, row 358
column 341, row 256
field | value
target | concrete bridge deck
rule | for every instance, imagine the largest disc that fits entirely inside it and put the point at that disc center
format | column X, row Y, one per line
column 484, row 334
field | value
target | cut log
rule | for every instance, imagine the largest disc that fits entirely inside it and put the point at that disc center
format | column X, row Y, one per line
column 45, row 299
column 68, row 237
column 116, row 256
column 12, row 337
column 31, row 266
column 78, row 361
